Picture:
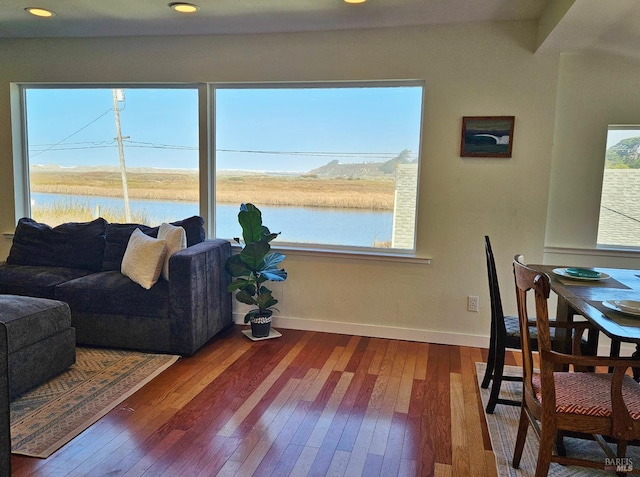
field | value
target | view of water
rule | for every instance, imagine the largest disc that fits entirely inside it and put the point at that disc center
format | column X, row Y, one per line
column 298, row 224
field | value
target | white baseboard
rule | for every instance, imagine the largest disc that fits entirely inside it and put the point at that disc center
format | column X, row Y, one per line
column 376, row 331
column 405, row 334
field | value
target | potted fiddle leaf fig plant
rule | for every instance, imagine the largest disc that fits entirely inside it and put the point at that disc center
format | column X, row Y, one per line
column 255, row 265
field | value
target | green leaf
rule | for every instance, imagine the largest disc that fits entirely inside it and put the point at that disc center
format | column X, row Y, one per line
column 265, row 302
column 264, row 289
column 264, row 299
column 250, row 288
column 267, row 235
column 243, row 297
column 237, row 284
column 250, row 218
column 236, row 267
column 253, row 254
column 249, row 316
column 246, row 285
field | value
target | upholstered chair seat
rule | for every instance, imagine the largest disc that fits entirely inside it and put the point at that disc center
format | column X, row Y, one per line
column 589, row 394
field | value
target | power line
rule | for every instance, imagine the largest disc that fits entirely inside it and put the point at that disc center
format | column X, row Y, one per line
column 150, row 145
column 620, row 213
column 74, row 133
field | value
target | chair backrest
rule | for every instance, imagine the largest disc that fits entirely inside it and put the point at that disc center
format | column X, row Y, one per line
column 528, row 280
column 497, row 314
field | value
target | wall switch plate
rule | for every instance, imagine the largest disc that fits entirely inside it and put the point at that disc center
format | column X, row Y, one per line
column 473, row 303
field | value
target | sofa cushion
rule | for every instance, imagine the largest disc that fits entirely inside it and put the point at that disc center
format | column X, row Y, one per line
column 176, row 239
column 113, row 293
column 143, row 259
column 30, row 320
column 36, row 281
column 73, row 245
column 193, row 228
column 117, row 238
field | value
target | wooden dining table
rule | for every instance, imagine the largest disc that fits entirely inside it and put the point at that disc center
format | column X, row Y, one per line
column 585, row 297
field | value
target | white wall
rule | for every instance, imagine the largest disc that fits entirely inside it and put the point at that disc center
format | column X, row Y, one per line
column 469, row 70
column 593, row 92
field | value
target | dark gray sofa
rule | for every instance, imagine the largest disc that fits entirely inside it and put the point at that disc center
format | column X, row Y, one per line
column 41, row 340
column 79, row 263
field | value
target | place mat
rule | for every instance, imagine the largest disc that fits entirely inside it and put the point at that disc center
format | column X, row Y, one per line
column 47, row 417
column 620, row 318
column 606, row 283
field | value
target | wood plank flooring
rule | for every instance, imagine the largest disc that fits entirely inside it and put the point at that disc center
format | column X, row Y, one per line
column 306, row 404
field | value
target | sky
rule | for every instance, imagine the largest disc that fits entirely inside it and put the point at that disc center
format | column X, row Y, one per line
column 272, row 129
column 614, row 136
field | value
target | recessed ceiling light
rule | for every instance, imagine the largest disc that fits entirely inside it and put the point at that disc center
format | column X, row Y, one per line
column 354, row 1
column 184, row 7
column 39, row 12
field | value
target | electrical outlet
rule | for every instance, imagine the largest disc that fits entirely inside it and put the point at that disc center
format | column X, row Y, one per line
column 473, row 303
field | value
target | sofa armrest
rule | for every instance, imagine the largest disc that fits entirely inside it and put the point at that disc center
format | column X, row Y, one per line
column 199, row 303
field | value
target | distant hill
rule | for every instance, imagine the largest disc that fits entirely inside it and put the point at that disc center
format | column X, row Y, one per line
column 624, row 155
column 365, row 170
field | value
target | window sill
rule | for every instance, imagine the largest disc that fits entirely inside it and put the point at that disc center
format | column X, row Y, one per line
column 366, row 254
column 597, row 252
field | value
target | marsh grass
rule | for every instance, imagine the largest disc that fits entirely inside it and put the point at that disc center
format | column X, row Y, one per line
column 299, row 191
column 77, row 210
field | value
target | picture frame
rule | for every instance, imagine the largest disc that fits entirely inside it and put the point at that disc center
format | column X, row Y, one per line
column 487, row 136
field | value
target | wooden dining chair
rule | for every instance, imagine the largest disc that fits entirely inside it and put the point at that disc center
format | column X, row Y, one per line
column 598, row 404
column 505, row 334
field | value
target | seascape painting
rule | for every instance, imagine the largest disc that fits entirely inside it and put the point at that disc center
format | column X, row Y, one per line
column 487, row 136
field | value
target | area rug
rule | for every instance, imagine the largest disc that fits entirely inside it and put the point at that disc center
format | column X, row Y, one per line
column 503, row 428
column 49, row 416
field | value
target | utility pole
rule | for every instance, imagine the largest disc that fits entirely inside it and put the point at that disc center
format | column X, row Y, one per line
column 118, row 95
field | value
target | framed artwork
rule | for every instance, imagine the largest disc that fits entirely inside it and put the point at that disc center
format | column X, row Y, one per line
column 487, row 136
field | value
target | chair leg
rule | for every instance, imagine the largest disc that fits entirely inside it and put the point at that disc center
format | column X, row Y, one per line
column 523, row 427
column 614, row 351
column 562, row 450
column 497, row 379
column 621, row 452
column 547, row 439
column 491, row 361
column 636, row 371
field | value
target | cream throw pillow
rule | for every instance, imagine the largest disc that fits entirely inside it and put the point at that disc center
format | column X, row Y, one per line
column 143, row 259
column 176, row 239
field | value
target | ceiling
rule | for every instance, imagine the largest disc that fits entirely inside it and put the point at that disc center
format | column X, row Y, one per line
column 565, row 25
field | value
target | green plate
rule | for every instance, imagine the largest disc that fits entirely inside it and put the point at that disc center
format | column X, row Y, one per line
column 583, row 273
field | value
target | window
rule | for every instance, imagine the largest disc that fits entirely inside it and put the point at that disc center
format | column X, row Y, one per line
column 125, row 154
column 619, row 223
column 334, row 165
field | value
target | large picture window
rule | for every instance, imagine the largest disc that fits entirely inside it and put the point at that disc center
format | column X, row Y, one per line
column 333, row 164
column 125, row 154
column 619, row 223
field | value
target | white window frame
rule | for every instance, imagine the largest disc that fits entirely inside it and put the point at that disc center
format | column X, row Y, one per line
column 325, row 249
column 614, row 247
column 22, row 191
column 207, row 168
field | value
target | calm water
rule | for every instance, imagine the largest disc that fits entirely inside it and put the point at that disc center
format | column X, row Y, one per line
column 297, row 224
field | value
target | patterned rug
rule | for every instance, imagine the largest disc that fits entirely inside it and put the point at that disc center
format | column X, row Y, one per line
column 49, row 416
column 503, row 428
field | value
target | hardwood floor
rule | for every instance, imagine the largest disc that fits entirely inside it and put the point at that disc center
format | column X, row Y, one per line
column 305, row 404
